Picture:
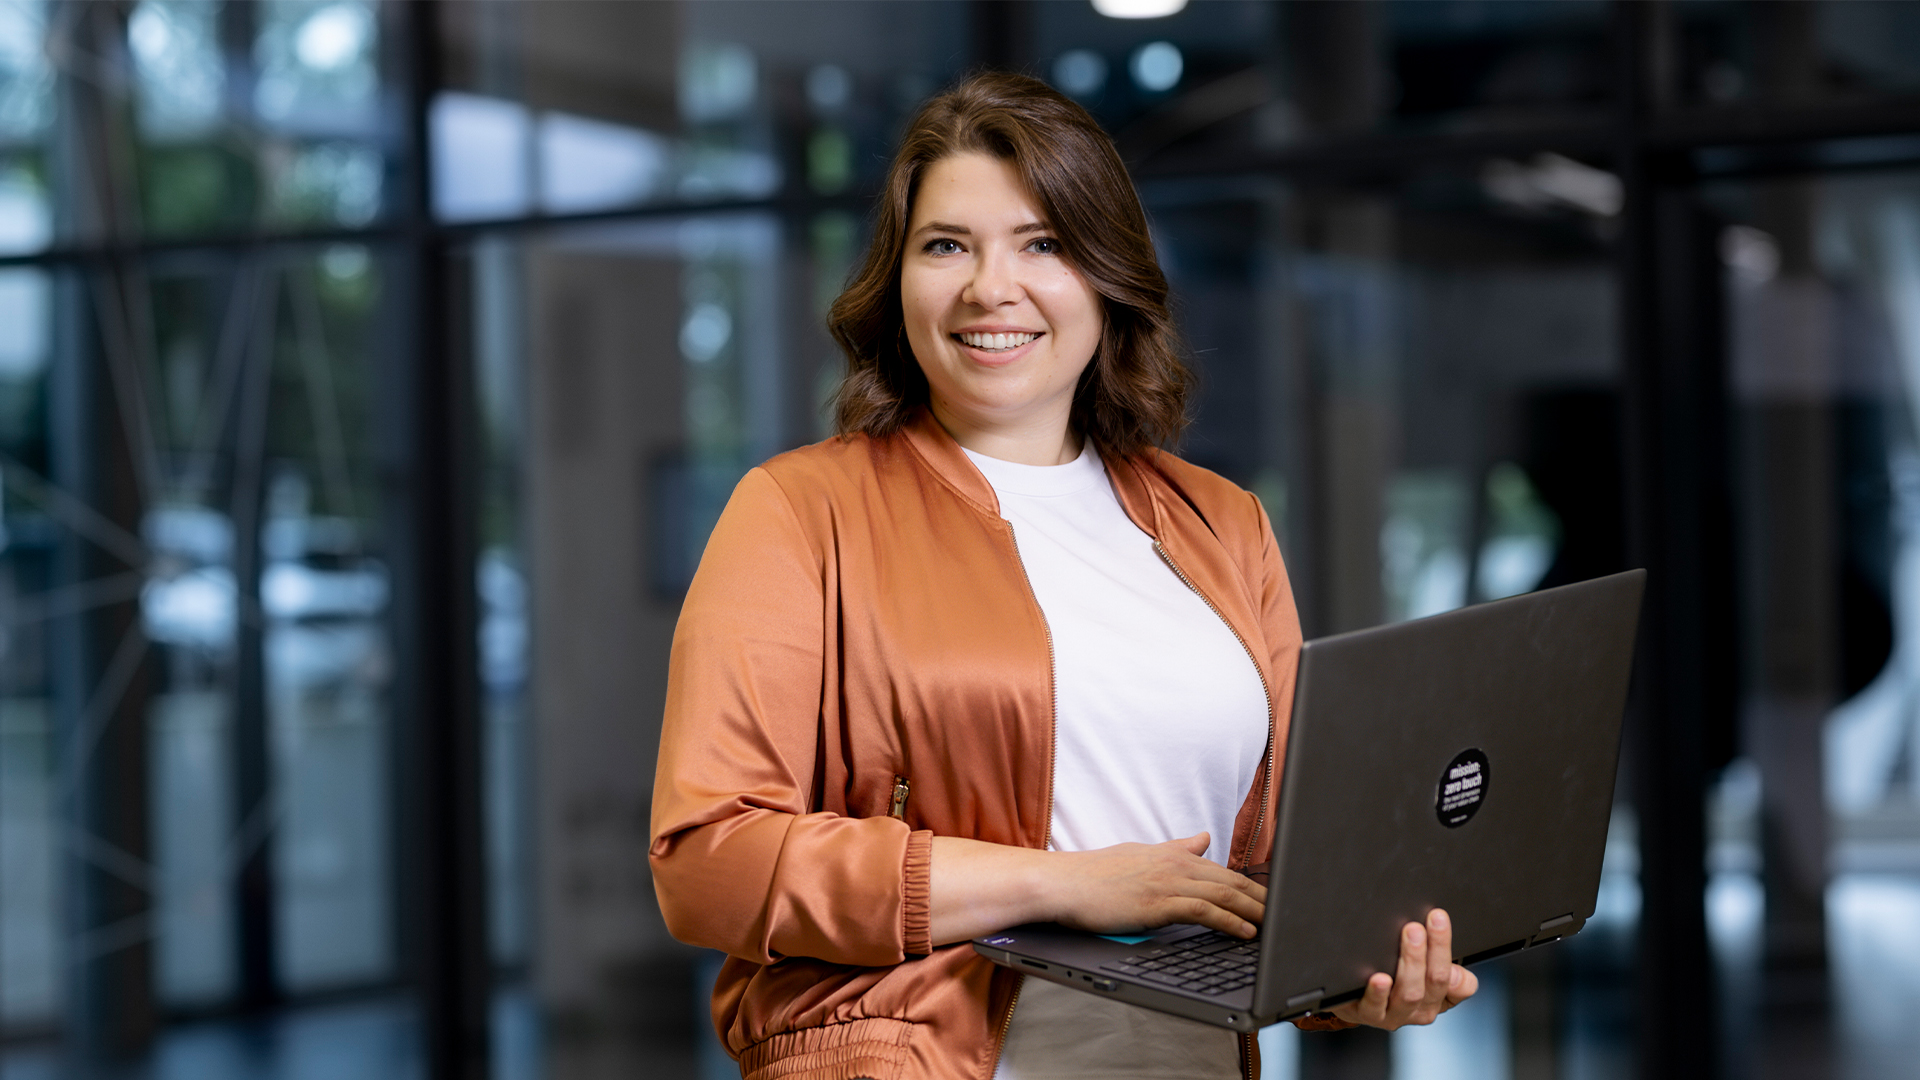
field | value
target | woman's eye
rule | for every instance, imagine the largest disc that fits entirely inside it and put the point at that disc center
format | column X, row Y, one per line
column 1045, row 246
column 942, row 246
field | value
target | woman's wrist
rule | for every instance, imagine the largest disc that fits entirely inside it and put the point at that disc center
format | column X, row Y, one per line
column 979, row 887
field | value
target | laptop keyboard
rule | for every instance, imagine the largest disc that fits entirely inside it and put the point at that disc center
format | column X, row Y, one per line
column 1209, row 964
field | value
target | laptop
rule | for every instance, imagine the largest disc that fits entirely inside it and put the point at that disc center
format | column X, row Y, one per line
column 1464, row 761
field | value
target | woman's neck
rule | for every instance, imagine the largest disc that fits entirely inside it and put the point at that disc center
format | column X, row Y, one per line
column 1042, row 443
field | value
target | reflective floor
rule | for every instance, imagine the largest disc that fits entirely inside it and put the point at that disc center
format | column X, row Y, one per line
column 1874, row 920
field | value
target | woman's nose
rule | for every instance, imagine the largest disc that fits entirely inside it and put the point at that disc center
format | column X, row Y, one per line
column 994, row 283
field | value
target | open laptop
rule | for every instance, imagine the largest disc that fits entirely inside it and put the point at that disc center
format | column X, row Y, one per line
column 1463, row 761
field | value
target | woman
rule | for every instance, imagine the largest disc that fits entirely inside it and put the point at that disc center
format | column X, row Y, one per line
column 988, row 657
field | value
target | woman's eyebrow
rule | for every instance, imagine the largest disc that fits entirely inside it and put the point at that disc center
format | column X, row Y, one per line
column 962, row 230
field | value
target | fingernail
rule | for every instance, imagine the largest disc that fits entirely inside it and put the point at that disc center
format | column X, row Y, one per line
column 1439, row 920
column 1415, row 935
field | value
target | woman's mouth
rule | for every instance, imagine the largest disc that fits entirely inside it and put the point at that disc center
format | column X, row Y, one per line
column 994, row 342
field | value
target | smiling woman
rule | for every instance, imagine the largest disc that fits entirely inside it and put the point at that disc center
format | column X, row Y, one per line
column 1002, row 324
column 990, row 656
column 1054, row 176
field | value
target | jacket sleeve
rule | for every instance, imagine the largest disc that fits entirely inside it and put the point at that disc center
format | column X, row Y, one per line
column 741, row 860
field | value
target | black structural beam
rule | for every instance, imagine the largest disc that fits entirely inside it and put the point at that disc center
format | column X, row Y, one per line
column 254, row 884
column 102, row 669
column 1672, row 395
column 432, row 463
column 1002, row 31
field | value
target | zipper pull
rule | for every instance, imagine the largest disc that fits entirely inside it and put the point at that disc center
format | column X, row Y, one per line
column 902, row 787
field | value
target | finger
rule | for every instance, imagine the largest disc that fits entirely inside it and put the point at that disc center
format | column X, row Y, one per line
column 1370, row 1007
column 1439, row 956
column 1194, row 909
column 1377, row 1001
column 1241, row 903
column 1463, row 986
column 1195, row 844
column 1410, row 981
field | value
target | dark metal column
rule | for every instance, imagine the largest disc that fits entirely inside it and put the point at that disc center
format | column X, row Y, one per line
column 1002, row 35
column 102, row 684
column 255, row 292
column 254, row 902
column 1674, row 398
column 102, row 677
column 433, row 552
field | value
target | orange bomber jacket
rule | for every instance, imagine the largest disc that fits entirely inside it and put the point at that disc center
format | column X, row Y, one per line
column 860, row 618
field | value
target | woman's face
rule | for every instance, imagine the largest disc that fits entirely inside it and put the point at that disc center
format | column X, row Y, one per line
column 998, row 317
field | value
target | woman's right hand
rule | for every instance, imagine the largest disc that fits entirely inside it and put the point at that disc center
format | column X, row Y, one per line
column 979, row 888
column 1132, row 887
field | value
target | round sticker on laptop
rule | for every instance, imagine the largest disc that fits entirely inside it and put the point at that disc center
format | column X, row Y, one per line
column 1463, row 787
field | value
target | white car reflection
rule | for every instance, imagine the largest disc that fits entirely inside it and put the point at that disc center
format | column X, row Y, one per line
column 323, row 606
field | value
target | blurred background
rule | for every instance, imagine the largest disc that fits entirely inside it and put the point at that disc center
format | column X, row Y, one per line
column 372, row 372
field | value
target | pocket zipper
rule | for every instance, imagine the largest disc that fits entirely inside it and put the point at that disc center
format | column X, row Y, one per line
column 902, row 787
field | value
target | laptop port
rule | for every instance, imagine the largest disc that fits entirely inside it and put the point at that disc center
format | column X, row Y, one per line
column 1034, row 964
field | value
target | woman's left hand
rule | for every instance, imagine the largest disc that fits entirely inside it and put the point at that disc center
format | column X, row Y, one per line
column 1427, row 983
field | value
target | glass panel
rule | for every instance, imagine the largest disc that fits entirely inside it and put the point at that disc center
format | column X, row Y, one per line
column 1794, row 53
column 190, row 614
column 1818, row 829
column 1396, row 400
column 26, row 112
column 179, row 75
column 32, row 911
column 26, row 78
column 317, row 63
column 480, row 166
column 559, row 113
column 324, row 597
column 304, row 149
column 281, row 438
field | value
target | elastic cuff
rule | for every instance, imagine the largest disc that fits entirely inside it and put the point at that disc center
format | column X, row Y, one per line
column 916, row 895
column 1322, row 1022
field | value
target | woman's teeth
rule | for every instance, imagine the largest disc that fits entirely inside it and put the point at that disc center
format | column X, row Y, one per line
column 996, row 342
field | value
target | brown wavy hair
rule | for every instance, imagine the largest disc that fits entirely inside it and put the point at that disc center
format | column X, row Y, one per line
column 1134, row 393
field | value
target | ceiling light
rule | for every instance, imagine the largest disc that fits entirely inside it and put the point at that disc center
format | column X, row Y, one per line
column 1080, row 72
column 1137, row 9
column 1157, row 66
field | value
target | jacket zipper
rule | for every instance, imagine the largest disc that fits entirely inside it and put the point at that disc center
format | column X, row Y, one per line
column 1000, row 1044
column 897, row 807
column 1266, row 781
column 1053, row 717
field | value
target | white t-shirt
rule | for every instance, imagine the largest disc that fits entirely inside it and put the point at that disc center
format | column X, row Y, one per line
column 1160, row 722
